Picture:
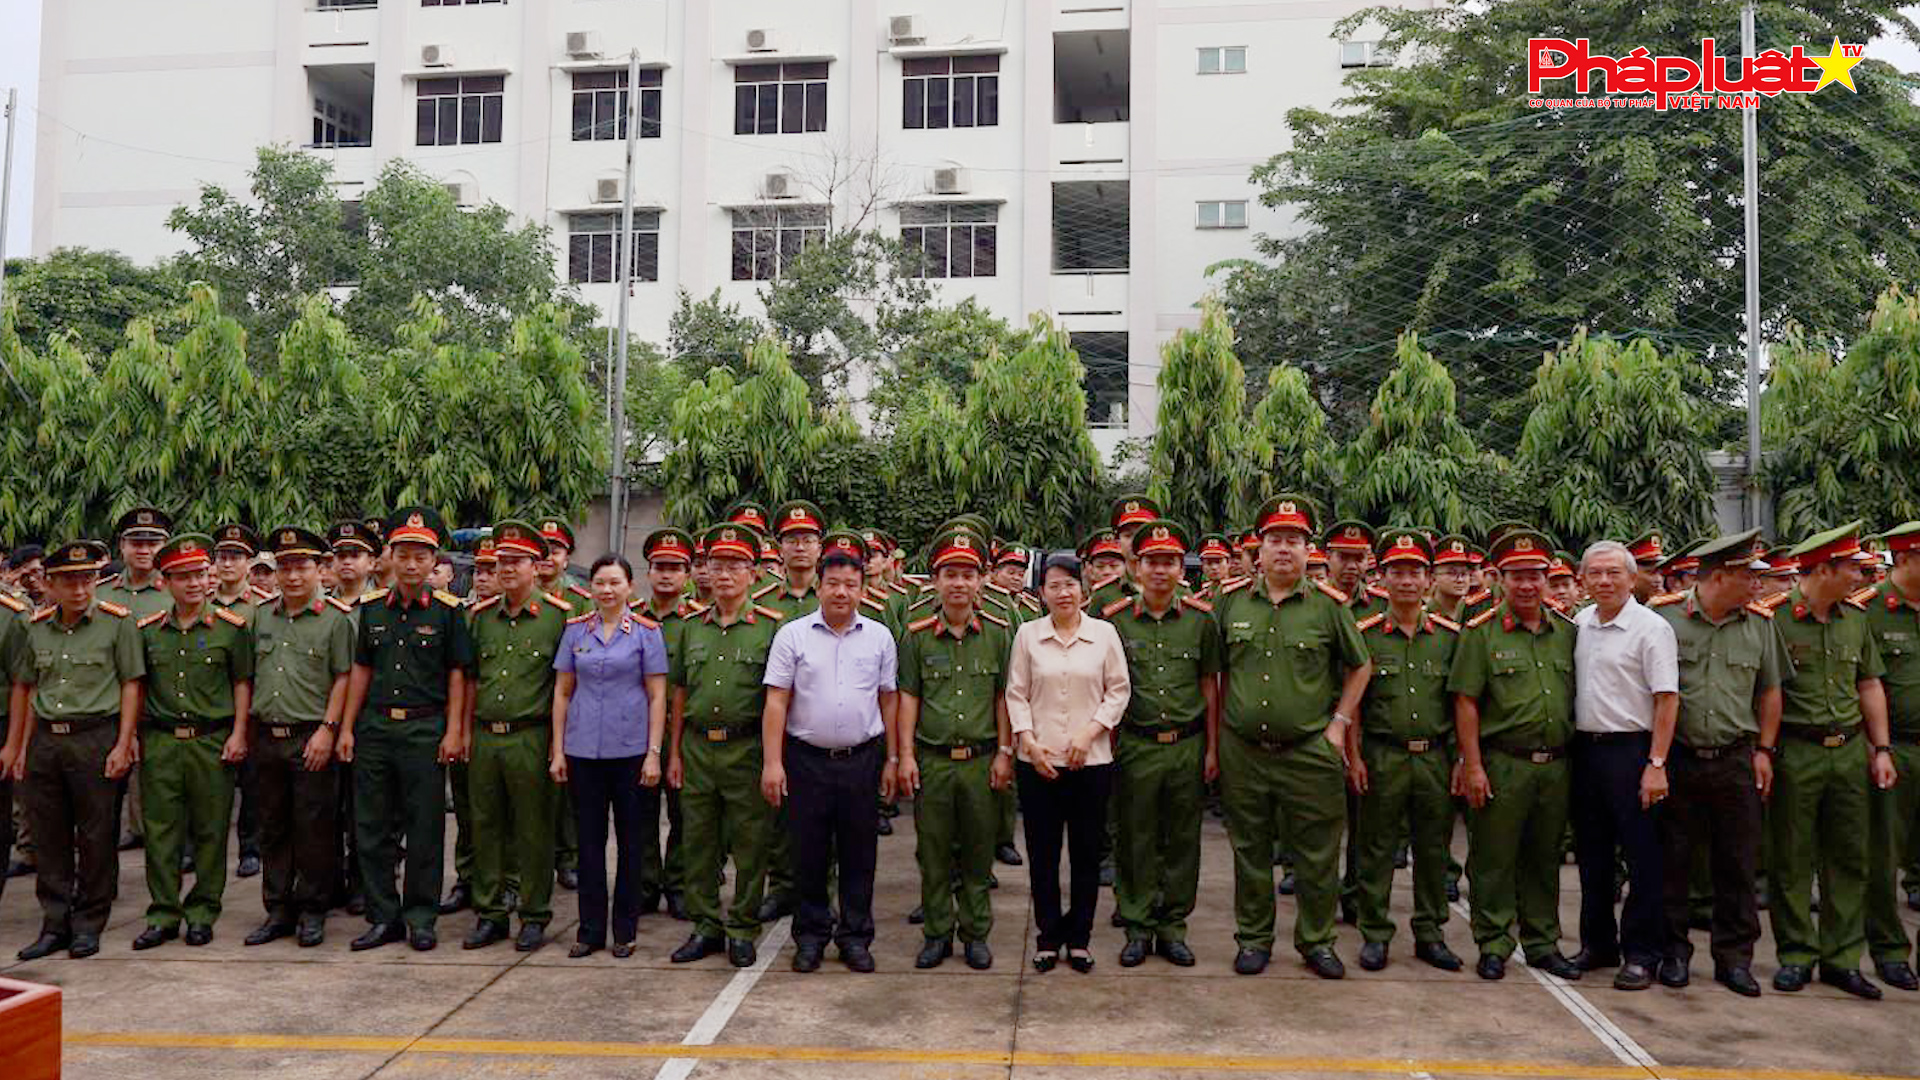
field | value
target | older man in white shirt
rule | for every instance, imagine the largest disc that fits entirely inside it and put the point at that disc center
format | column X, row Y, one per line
column 1626, row 704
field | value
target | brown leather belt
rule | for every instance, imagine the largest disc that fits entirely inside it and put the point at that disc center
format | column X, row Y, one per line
column 727, row 734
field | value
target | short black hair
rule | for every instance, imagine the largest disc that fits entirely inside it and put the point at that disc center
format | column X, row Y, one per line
column 25, row 554
column 611, row 558
column 1062, row 560
column 444, row 559
column 838, row 557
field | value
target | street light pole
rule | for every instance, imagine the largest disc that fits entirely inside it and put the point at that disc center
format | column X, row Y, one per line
column 617, row 488
column 1750, row 153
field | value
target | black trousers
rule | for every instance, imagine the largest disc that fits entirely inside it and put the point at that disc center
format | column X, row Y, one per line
column 1074, row 808
column 6, row 831
column 246, row 827
column 71, row 809
column 1714, row 805
column 831, row 820
column 1606, row 817
column 601, row 787
column 299, row 824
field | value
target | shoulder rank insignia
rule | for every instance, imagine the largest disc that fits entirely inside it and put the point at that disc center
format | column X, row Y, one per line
column 647, row 621
column 1030, row 603
column 1196, row 603
column 996, row 620
column 1115, row 607
column 577, row 589
column 1860, row 598
column 489, row 602
column 771, row 613
column 1479, row 595
column 871, row 604
column 113, row 609
column 1483, row 617
column 576, row 618
column 149, row 620
column 44, row 613
column 1443, row 622
column 1666, row 598
column 998, row 588
column 1235, row 585
column 370, row 597
column 695, row 607
column 920, row 603
column 771, row 586
column 230, row 616
column 1338, row 596
column 13, row 603
column 1761, row 609
column 1371, row 621
column 1565, row 615
column 927, row 623
column 339, row 603
column 446, row 598
column 558, row 602
column 1378, row 591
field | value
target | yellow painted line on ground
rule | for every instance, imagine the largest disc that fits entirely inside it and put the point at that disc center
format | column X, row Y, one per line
column 168, row 1040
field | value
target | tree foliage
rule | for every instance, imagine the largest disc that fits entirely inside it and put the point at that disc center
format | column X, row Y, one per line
column 91, row 295
column 1201, row 464
column 1406, row 466
column 1288, row 441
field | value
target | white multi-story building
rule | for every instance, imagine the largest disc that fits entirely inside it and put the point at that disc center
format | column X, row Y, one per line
column 1086, row 158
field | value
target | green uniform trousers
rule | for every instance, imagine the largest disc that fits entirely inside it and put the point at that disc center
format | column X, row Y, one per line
column 462, row 825
column 1006, row 805
column 1298, row 792
column 1406, row 796
column 566, row 838
column 514, row 803
column 1817, row 822
column 1892, row 817
column 956, row 817
column 662, row 867
column 1513, row 860
column 398, row 788
column 187, row 804
column 723, row 813
column 76, row 823
column 1158, row 801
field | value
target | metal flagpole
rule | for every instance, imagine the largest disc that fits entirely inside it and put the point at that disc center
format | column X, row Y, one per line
column 1750, row 152
column 617, row 493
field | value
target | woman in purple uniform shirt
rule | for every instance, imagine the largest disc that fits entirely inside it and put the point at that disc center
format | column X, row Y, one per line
column 609, row 716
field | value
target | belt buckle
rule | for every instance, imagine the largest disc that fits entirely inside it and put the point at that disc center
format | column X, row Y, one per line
column 280, row 731
column 718, row 734
column 840, row 751
column 183, row 732
column 1831, row 741
column 1164, row 737
column 1540, row 757
column 499, row 727
column 960, row 753
column 397, row 713
column 1419, row 746
column 60, row 727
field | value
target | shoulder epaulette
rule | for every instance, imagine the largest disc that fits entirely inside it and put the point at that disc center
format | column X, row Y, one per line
column 148, row 620
column 113, row 609
column 12, row 602
column 898, row 587
column 770, row 586
column 559, row 602
column 1760, row 609
column 109, row 582
column 1338, row 596
column 267, row 598
column 917, row 579
column 920, row 603
column 1116, row 607
column 1565, row 615
column 1666, row 598
column 1196, row 603
column 996, row 620
column 918, row 625
column 695, row 607
column 230, row 616
column 370, row 597
column 264, row 594
column 577, row 589
column 771, row 613
column 1482, row 617
column 487, row 603
column 1379, row 591
column 44, row 613
column 1235, row 585
column 647, row 621
column 1371, row 621
column 339, row 603
column 1444, row 623
column 576, row 618
column 1030, row 603
column 872, row 604
column 993, row 586
column 1476, row 597
column 446, row 598
column 1860, row 598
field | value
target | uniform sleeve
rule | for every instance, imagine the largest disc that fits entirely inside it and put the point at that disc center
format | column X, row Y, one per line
column 129, row 651
column 1469, row 674
column 1776, row 664
column 782, row 659
column 1213, row 649
column 13, row 651
column 340, row 646
column 1872, row 665
column 1116, row 682
column 459, row 643
column 1349, row 646
column 363, row 640
column 240, row 664
column 653, row 653
column 909, row 673
column 677, row 656
column 1003, row 643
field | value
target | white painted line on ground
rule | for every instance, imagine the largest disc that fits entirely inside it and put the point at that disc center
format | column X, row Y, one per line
column 706, row 1029
column 1619, row 1042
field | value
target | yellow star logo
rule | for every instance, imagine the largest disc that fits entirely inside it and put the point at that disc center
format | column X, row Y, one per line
column 1836, row 68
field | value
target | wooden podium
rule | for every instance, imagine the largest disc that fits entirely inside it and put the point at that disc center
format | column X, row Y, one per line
column 29, row 1031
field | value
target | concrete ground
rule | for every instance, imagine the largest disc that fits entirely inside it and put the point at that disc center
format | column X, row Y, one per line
column 306, row 1014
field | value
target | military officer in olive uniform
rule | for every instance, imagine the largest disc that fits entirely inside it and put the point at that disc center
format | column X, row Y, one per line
column 199, row 689
column 234, row 547
column 798, row 527
column 1296, row 670
column 1894, row 614
column 1512, row 686
column 139, row 533
column 78, row 668
column 1128, row 514
column 1833, row 741
column 1167, row 747
column 406, row 703
column 669, row 553
column 303, row 655
column 714, row 758
column 485, row 586
column 555, row 580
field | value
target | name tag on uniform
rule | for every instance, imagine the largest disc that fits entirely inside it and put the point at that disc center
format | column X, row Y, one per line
column 1240, row 626
column 1505, row 654
column 425, row 630
column 936, row 660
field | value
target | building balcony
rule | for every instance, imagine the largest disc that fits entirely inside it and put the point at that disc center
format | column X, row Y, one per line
column 1079, row 295
column 1098, row 147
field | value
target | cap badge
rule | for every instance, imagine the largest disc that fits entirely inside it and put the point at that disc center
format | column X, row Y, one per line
column 416, row 521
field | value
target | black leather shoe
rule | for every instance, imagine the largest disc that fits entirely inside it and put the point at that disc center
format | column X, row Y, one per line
column 857, row 957
column 1739, row 980
column 581, row 949
column 1588, row 960
column 932, row 953
column 1251, row 961
column 422, row 938
column 1286, row 886
column 1913, row 896
column 1897, row 974
column 1851, row 981
column 979, row 957
column 884, row 827
column 484, row 933
column 677, row 907
column 993, row 880
column 1491, row 967
column 1373, row 955
column 84, row 945
column 740, row 952
column 1673, row 972
column 1324, row 963
column 43, row 946
column 1792, row 978
column 622, row 949
column 532, row 936
column 1009, row 855
column 1045, row 959
column 1174, row 952
column 1632, row 976
column 1437, row 954
column 313, row 931
column 271, row 930
column 1134, row 952
column 459, row 898
column 154, row 936
column 568, row 878
column 1400, row 857
column 807, row 957
column 1555, row 964
column 918, row 915
column 1114, row 920
column 201, row 934
column 1080, row 960
column 697, row 948
column 249, row 865
column 774, row 907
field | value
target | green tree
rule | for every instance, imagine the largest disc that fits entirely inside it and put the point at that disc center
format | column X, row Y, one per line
column 48, row 491
column 1407, row 465
column 1288, row 443
column 943, row 346
column 323, row 461
column 1201, row 464
column 89, row 294
column 709, row 333
column 844, row 302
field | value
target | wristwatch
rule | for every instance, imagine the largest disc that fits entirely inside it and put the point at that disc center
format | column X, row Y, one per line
column 330, row 725
column 1007, row 750
column 1883, row 749
column 1770, row 751
column 1657, row 761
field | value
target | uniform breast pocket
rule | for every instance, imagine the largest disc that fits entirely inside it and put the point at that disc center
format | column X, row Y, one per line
column 265, row 644
column 1309, row 658
column 1896, row 645
column 42, row 659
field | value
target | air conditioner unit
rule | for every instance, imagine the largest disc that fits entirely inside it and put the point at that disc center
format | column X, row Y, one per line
column 778, row 185
column 462, row 192
column 901, row 31
column 436, row 56
column 583, row 44
column 762, row 40
column 951, row 180
column 607, row 189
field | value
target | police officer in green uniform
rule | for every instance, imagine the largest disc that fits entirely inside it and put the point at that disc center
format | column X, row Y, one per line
column 303, row 654
column 1894, row 614
column 1833, row 738
column 199, row 689
column 79, row 667
column 555, row 581
column 234, row 547
column 406, row 706
column 799, row 528
column 512, row 799
column 1512, row 681
column 1295, row 672
column 486, row 584
column 1011, row 566
column 715, row 758
column 1347, row 545
column 14, row 611
column 1128, row 514
column 139, row 532
column 953, row 680
column 669, row 555
column 1167, row 747
column 1400, row 762
column 355, row 548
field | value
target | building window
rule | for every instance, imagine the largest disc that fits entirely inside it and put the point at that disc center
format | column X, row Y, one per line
column 1360, row 54
column 766, row 239
column 1223, row 60
column 1103, row 353
column 459, row 110
column 770, row 99
column 950, row 240
column 600, row 105
column 337, row 125
column 951, row 91
column 593, row 247
column 1230, row 214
